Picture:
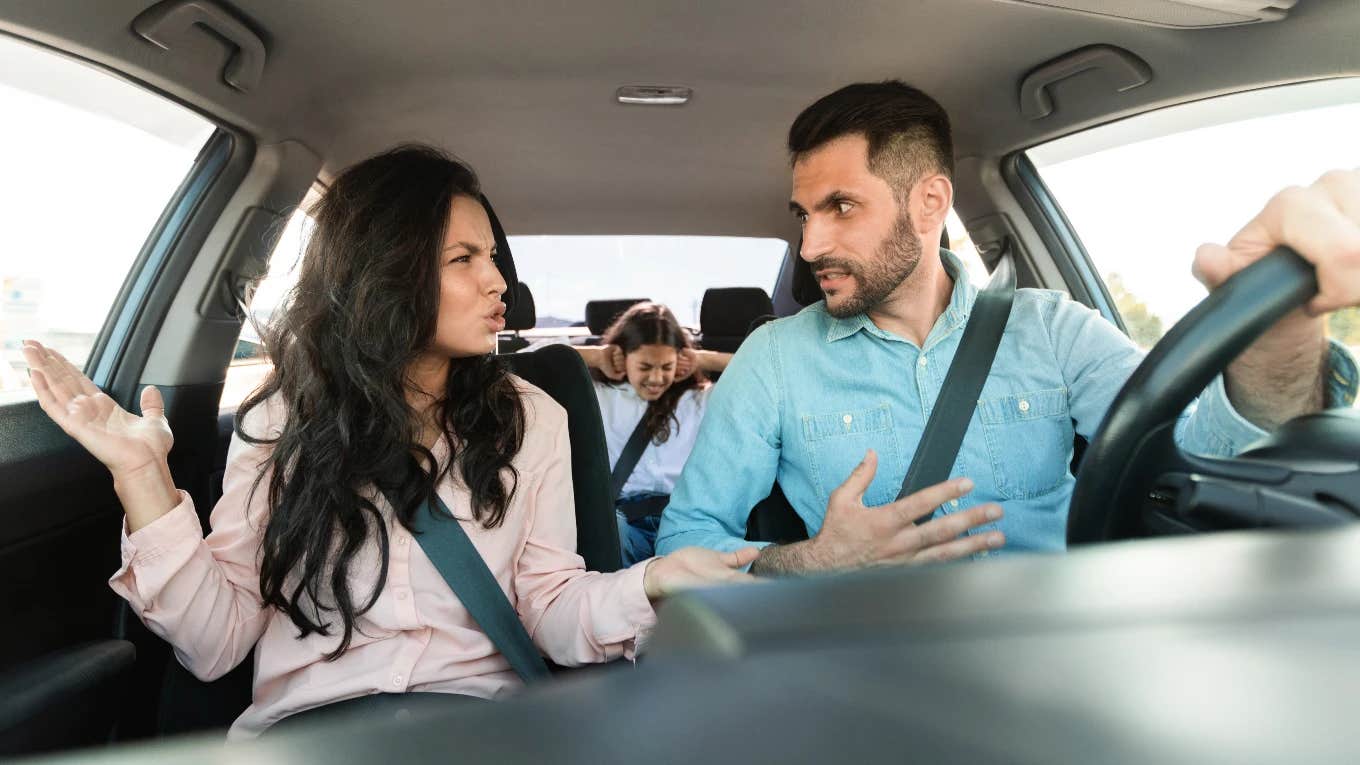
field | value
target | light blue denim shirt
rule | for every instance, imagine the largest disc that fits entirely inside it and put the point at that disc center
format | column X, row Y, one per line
column 805, row 396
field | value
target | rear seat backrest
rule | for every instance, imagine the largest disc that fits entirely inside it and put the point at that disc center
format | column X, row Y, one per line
column 601, row 313
column 520, row 316
column 728, row 314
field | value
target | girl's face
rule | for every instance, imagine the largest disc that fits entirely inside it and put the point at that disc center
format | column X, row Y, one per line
column 651, row 370
column 470, row 284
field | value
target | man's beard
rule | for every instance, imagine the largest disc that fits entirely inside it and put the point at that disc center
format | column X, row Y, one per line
column 893, row 263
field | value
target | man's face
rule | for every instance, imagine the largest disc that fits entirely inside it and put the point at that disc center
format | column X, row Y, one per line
column 860, row 242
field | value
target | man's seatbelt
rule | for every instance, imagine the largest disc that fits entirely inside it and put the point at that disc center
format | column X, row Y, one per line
column 958, row 399
column 457, row 560
column 628, row 459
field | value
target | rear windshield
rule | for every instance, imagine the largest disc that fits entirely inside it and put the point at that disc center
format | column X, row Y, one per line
column 565, row 272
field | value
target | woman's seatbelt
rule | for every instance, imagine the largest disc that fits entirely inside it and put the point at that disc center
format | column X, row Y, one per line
column 939, row 446
column 457, row 560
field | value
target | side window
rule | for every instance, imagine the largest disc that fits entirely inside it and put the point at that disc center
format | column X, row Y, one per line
column 88, row 163
column 1144, row 193
column 249, row 365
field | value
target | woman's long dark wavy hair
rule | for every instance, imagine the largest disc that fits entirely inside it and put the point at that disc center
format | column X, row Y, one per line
column 654, row 324
column 364, row 308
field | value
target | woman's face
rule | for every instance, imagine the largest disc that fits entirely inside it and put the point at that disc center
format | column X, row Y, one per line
column 470, row 307
column 651, row 370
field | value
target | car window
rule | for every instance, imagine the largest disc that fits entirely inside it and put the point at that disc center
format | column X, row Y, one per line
column 249, row 365
column 1143, row 193
column 88, row 163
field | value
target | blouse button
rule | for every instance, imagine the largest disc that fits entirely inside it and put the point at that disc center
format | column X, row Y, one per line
column 847, row 419
column 401, row 594
column 1024, row 405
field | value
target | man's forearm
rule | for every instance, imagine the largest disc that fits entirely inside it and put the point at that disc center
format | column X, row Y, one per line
column 783, row 560
column 1279, row 378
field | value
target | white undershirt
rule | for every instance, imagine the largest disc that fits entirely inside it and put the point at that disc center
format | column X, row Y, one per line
column 659, row 467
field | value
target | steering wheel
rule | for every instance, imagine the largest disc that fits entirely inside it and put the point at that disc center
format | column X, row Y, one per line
column 1135, row 481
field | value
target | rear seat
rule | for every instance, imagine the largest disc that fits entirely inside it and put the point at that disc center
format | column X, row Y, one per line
column 728, row 314
column 601, row 313
column 520, row 316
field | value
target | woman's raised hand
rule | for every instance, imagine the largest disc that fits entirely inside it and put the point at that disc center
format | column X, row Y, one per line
column 134, row 449
column 124, row 442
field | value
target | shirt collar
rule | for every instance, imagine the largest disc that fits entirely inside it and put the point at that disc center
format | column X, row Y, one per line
column 961, row 300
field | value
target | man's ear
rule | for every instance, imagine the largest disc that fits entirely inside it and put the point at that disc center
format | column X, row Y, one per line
column 934, row 197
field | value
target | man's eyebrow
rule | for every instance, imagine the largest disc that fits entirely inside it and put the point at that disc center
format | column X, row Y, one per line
column 826, row 203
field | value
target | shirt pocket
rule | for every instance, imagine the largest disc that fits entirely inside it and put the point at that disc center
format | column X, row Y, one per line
column 836, row 443
column 1029, row 436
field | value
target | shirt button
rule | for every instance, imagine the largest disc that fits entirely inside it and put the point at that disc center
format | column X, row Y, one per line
column 847, row 419
column 953, row 503
column 922, row 361
column 396, row 679
column 1024, row 405
column 401, row 541
column 401, row 594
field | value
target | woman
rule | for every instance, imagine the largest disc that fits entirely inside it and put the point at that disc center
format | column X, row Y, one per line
column 384, row 394
column 648, row 375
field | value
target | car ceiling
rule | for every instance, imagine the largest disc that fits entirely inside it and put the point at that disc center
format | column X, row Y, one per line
column 524, row 90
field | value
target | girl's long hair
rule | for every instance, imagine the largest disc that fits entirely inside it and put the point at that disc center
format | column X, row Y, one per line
column 654, row 324
column 364, row 308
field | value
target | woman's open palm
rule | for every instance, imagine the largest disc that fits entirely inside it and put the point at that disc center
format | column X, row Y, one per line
column 122, row 441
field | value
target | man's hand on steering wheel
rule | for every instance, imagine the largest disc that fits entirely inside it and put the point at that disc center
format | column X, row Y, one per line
column 1280, row 375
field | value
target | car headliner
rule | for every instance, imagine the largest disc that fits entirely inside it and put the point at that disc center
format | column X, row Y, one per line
column 524, row 90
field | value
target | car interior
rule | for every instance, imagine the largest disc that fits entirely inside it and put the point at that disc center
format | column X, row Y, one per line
column 1205, row 612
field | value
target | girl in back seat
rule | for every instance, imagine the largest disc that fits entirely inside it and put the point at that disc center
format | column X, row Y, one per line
column 386, row 410
column 650, row 382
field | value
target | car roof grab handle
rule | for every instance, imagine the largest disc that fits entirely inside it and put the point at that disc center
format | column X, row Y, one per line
column 166, row 23
column 1125, row 69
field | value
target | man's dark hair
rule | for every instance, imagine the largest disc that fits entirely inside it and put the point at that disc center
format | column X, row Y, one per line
column 908, row 131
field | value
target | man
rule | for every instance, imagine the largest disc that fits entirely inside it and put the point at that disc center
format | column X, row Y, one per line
column 832, row 402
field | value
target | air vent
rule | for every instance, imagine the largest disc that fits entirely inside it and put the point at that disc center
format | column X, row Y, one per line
column 1184, row 14
column 654, row 95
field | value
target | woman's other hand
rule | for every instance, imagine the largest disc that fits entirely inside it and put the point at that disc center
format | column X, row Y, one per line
column 691, row 567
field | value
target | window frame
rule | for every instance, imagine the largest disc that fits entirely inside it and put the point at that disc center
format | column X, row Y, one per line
column 123, row 343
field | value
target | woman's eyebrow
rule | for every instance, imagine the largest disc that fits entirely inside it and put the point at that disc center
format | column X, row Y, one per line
column 473, row 249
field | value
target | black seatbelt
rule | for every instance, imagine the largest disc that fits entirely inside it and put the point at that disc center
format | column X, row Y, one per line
column 628, row 459
column 452, row 553
column 958, row 399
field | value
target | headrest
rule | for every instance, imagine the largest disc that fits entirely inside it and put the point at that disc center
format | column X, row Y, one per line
column 504, row 260
column 804, row 287
column 522, row 314
column 729, row 311
column 601, row 313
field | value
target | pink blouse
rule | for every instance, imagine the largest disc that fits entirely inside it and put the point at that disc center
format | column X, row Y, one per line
column 202, row 595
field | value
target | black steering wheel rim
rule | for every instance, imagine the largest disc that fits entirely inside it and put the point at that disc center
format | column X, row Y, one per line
column 1135, row 443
